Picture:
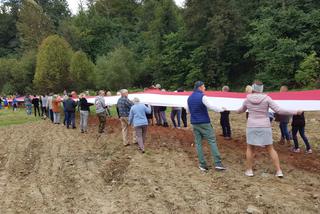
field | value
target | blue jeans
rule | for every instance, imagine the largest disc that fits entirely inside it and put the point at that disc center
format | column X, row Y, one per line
column 295, row 130
column 175, row 113
column 284, row 130
column 71, row 119
column 206, row 131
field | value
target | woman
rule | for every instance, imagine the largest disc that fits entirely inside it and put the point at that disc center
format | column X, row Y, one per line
column 56, row 100
column 298, row 124
column 84, row 108
column 259, row 132
column 138, row 118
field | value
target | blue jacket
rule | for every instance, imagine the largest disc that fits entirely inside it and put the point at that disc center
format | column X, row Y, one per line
column 137, row 115
column 198, row 111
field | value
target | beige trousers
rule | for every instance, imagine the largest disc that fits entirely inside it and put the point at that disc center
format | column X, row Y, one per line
column 125, row 131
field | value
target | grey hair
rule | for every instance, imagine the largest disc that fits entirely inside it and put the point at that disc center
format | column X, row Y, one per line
column 123, row 91
column 225, row 88
column 136, row 100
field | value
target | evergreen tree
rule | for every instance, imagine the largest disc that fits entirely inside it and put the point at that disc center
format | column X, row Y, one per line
column 53, row 64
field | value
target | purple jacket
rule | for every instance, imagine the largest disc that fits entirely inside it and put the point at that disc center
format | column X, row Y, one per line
column 258, row 105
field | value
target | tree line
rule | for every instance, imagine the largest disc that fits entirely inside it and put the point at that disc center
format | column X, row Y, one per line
column 134, row 43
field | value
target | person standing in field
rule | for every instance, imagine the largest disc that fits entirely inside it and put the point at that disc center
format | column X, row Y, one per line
column 198, row 105
column 35, row 103
column 71, row 112
column 259, row 131
column 183, row 112
column 56, row 108
column 124, row 105
column 44, row 100
column 101, row 110
column 84, row 108
column 138, row 118
column 298, row 125
column 49, row 106
column 28, row 104
column 224, row 119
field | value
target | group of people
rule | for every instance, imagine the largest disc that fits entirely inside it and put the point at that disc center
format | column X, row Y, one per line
column 258, row 132
column 135, row 118
column 5, row 102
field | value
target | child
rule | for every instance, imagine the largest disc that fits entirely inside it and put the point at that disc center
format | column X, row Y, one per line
column 298, row 124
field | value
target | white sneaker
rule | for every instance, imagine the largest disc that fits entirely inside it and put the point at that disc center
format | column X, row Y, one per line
column 249, row 173
column 309, row 151
column 279, row 174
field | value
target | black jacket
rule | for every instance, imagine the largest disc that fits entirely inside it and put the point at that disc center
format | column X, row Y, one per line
column 298, row 120
column 84, row 105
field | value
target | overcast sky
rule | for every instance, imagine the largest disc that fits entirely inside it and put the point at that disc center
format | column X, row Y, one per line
column 73, row 4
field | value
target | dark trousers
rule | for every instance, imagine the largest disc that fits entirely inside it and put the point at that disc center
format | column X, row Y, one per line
column 284, row 130
column 51, row 114
column 71, row 119
column 156, row 112
column 184, row 117
column 36, row 108
column 43, row 111
column 175, row 113
column 295, row 130
column 65, row 117
column 225, row 125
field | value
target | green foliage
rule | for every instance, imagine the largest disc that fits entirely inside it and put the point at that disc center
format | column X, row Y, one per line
column 82, row 72
column 138, row 43
column 32, row 28
column 9, row 40
column 53, row 63
column 308, row 74
column 17, row 74
column 116, row 70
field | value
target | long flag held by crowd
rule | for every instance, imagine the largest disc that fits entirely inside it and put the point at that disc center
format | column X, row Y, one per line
column 295, row 100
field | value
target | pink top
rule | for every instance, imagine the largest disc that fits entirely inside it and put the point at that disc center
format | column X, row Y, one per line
column 258, row 106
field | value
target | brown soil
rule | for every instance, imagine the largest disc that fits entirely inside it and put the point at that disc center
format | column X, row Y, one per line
column 46, row 168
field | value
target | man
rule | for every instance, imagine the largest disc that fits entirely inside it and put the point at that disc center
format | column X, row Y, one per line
column 198, row 105
column 224, row 120
column 70, row 106
column 101, row 110
column 124, row 105
column 35, row 103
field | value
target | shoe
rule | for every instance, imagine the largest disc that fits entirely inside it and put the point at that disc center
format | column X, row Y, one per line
column 165, row 125
column 126, row 145
column 281, row 142
column 296, row 150
column 309, row 151
column 220, row 167
column 227, row 138
column 249, row 173
column 279, row 174
column 82, row 131
column 203, row 169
